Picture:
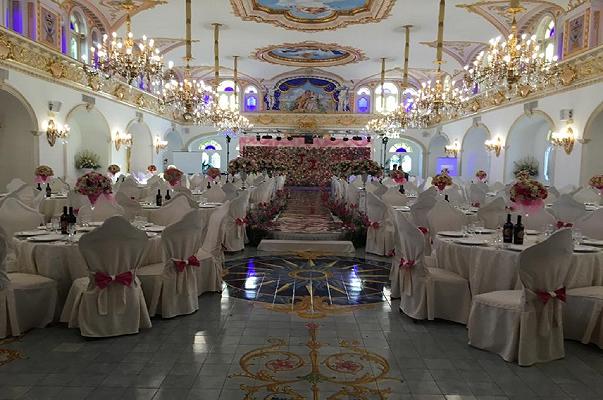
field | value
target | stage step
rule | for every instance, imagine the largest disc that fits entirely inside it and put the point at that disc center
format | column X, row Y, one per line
column 315, row 246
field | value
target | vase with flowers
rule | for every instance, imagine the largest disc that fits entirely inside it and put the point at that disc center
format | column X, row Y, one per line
column 87, row 161
column 173, row 176
column 152, row 169
column 481, row 176
column 243, row 166
column 43, row 173
column 441, row 181
column 528, row 195
column 364, row 168
column 93, row 185
column 113, row 170
column 213, row 173
column 596, row 182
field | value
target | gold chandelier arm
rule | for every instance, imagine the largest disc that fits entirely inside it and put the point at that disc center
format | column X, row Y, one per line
column 382, row 84
column 216, row 55
column 440, row 43
column 236, row 79
column 189, row 52
column 406, row 54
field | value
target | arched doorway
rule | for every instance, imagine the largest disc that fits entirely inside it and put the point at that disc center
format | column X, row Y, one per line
column 18, row 145
column 474, row 155
column 406, row 153
column 528, row 139
column 592, row 162
column 89, row 132
column 436, row 151
column 141, row 152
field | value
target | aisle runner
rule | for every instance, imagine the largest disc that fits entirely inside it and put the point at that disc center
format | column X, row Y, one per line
column 306, row 218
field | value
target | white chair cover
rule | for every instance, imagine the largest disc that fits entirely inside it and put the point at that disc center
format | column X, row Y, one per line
column 477, row 194
column 58, row 185
column 568, row 189
column 583, row 315
column 211, row 254
column 16, row 216
column 170, row 288
column 14, row 184
column 104, row 208
column 198, row 181
column 539, row 220
column 170, row 213
column 352, row 195
column 183, row 192
column 444, row 217
column 497, row 187
column 215, row 194
column 131, row 207
column 28, row 195
column 567, row 209
column 230, row 190
column 380, row 188
column 380, row 232
column 234, row 223
column 454, row 194
column 421, row 208
column 425, row 293
column 110, row 301
column 76, row 200
column 587, row 195
column 493, row 213
column 591, row 225
column 393, row 197
column 130, row 188
column 526, row 325
column 411, row 187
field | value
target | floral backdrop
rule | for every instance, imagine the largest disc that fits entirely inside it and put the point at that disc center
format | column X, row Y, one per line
column 307, row 166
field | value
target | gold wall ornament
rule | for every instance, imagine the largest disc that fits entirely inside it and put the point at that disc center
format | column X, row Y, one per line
column 140, row 102
column 524, row 90
column 498, row 98
column 159, row 144
column 494, row 146
column 474, row 105
column 120, row 92
column 56, row 68
column 567, row 75
column 94, row 83
column 122, row 139
column 452, row 150
column 6, row 48
column 307, row 123
column 55, row 131
column 564, row 138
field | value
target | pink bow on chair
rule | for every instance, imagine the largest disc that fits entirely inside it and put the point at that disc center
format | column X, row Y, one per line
column 561, row 224
column 241, row 221
column 424, row 230
column 407, row 266
column 374, row 225
column 102, row 279
column 556, row 294
column 182, row 264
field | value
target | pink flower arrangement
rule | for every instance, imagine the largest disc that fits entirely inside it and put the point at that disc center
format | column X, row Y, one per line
column 366, row 166
column 173, row 175
column 113, row 169
column 152, row 168
column 441, row 181
column 481, row 175
column 93, row 185
column 43, row 173
column 213, row 172
column 242, row 164
column 597, row 182
column 528, row 194
column 398, row 176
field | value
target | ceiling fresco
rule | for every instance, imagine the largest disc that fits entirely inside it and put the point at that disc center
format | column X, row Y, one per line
column 312, row 15
column 309, row 54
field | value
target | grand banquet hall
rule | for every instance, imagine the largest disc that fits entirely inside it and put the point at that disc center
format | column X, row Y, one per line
column 301, row 199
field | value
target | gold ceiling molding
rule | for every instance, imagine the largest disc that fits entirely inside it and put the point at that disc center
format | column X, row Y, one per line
column 308, row 121
column 309, row 53
column 464, row 52
column 495, row 12
column 41, row 62
column 311, row 16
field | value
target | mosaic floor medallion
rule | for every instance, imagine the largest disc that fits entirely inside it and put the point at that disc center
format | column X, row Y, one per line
column 311, row 286
column 274, row 372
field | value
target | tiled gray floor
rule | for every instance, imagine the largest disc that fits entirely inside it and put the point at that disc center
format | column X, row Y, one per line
column 194, row 357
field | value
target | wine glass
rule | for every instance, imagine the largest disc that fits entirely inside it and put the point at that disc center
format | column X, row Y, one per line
column 577, row 236
column 55, row 223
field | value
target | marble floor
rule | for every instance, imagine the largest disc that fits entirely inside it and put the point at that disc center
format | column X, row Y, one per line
column 234, row 348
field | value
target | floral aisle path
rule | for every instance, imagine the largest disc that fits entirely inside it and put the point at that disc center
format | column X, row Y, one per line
column 306, row 218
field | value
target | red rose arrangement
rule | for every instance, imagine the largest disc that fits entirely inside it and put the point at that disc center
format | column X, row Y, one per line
column 93, row 185
column 481, row 175
column 43, row 173
column 173, row 176
column 398, row 176
column 441, row 180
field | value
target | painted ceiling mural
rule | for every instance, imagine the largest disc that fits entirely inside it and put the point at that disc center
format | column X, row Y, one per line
column 112, row 12
column 309, row 54
column 312, row 15
column 308, row 94
column 462, row 51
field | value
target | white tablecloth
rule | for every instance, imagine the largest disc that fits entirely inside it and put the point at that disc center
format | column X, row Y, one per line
column 489, row 269
column 52, row 206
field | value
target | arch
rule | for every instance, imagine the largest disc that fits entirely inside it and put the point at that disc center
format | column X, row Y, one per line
column 435, row 152
column 174, row 144
column 528, row 136
column 474, row 155
column 391, row 95
column 415, row 150
column 18, row 124
column 591, row 163
column 78, row 34
column 141, row 152
column 89, row 131
column 251, row 99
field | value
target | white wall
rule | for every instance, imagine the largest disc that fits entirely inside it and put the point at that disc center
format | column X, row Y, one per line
column 435, row 151
column 142, row 146
column 592, row 161
column 473, row 153
column 528, row 137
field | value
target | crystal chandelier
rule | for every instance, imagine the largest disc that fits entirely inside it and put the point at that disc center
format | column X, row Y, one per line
column 517, row 65
column 126, row 58
column 189, row 97
column 441, row 98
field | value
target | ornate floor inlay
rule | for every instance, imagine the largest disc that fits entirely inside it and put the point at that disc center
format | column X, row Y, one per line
column 311, row 286
column 276, row 373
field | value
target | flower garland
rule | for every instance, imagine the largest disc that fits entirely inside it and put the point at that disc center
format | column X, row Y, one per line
column 43, row 173
column 93, row 185
column 87, row 159
column 441, row 181
column 481, row 175
column 242, row 164
column 596, row 182
column 113, row 169
column 173, row 175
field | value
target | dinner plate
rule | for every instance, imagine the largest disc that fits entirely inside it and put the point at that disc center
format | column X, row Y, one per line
column 532, row 232
column 37, row 232
column 48, row 238
column 152, row 234
column 207, row 206
column 95, row 223
column 402, row 208
column 516, row 247
column 484, row 231
column 592, row 242
column 150, row 207
column 471, row 242
column 585, row 249
column 85, row 228
column 155, row 228
column 591, row 208
column 454, row 234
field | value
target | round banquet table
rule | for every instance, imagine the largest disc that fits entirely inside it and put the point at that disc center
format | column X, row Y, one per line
column 489, row 268
column 63, row 262
column 470, row 216
column 51, row 206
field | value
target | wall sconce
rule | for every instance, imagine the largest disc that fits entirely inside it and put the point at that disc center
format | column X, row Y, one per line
column 494, row 145
column 452, row 150
column 159, row 144
column 54, row 130
column 122, row 140
column 564, row 138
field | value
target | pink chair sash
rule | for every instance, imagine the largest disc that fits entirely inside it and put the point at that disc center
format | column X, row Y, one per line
column 102, row 281
column 180, row 266
column 551, row 311
column 407, row 266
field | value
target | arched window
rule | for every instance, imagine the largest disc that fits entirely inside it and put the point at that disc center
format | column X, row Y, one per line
column 14, row 15
column 390, row 93
column 250, row 100
column 211, row 153
column 363, row 100
column 401, row 148
column 215, row 160
column 77, row 41
column 545, row 34
column 226, row 95
column 403, row 160
column 210, row 145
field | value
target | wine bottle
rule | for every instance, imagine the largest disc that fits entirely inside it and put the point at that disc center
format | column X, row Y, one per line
column 508, row 230
column 72, row 220
column 64, row 221
column 158, row 198
column 446, row 198
column 518, row 231
column 167, row 195
column 39, row 187
column 402, row 190
column 48, row 190
column 208, row 184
